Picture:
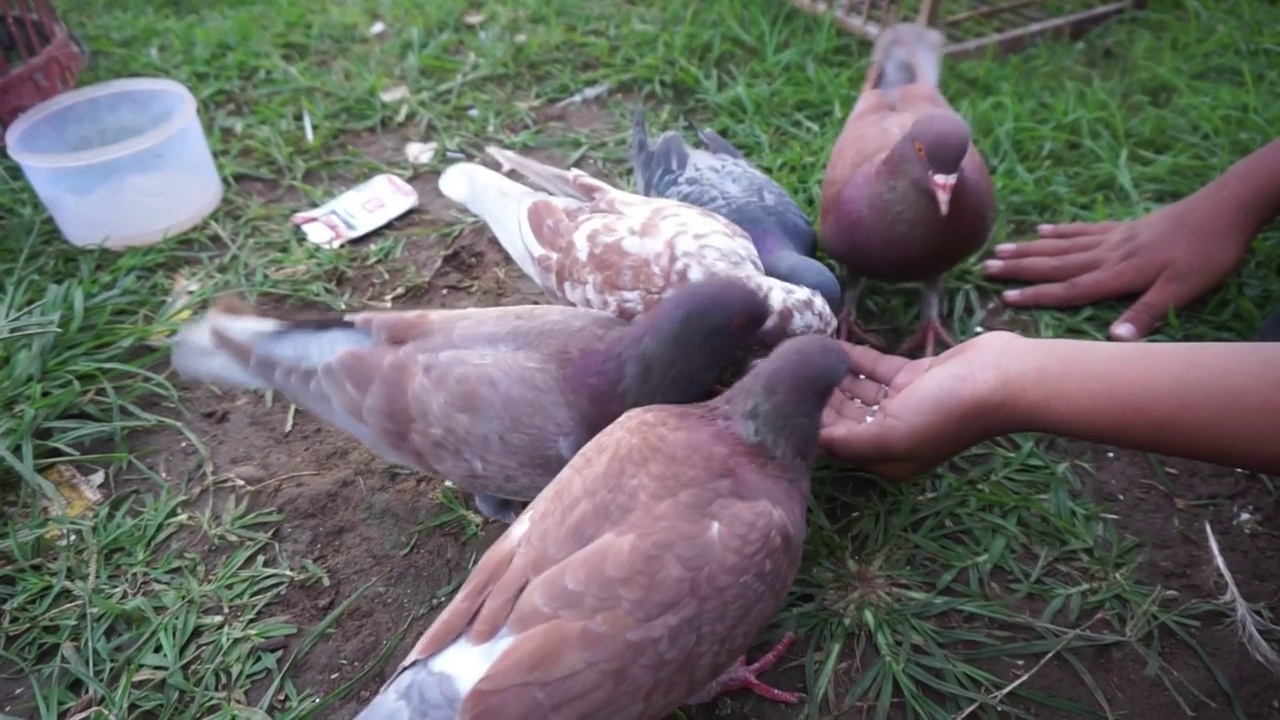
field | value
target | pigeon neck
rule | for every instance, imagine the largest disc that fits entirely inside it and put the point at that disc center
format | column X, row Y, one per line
column 660, row 367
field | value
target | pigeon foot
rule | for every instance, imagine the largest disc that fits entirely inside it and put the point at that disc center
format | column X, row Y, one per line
column 849, row 331
column 931, row 331
column 742, row 676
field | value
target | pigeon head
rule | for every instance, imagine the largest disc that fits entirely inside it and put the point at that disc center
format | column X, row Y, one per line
column 778, row 405
column 936, row 145
column 677, row 350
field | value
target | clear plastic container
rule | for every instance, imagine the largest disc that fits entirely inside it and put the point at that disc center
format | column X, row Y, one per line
column 120, row 163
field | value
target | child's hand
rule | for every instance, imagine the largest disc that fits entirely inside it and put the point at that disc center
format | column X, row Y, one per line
column 925, row 411
column 1170, row 257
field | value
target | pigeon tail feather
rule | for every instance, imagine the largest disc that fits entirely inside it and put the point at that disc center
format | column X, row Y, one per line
column 500, row 202
column 565, row 183
column 219, row 347
column 907, row 54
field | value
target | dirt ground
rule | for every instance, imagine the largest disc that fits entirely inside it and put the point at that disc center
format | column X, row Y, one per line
column 358, row 517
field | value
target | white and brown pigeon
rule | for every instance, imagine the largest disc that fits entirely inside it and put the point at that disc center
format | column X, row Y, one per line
column 589, row 244
column 495, row 399
column 632, row 583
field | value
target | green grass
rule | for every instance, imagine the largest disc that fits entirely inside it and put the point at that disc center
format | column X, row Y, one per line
column 161, row 603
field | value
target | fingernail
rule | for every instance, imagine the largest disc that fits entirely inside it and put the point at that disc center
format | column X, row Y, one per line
column 1124, row 331
column 1044, row 227
column 1011, row 295
column 1004, row 248
column 992, row 265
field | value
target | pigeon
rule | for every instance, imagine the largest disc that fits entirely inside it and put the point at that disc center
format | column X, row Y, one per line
column 722, row 180
column 496, row 399
column 588, row 244
column 906, row 196
column 651, row 562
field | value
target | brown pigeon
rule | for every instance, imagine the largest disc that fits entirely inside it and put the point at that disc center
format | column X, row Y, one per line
column 495, row 399
column 906, row 195
column 650, row 563
column 589, row 244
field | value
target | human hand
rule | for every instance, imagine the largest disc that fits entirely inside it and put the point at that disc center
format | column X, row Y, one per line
column 903, row 417
column 1169, row 258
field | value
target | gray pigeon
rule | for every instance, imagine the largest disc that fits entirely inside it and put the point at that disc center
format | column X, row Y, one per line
column 495, row 399
column 638, row 579
column 722, row 180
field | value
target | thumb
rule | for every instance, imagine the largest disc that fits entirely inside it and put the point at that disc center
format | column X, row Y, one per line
column 1146, row 312
column 855, row 442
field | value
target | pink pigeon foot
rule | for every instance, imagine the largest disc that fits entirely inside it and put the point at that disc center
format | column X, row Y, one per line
column 930, row 329
column 848, row 330
column 742, row 676
column 847, row 327
column 929, row 332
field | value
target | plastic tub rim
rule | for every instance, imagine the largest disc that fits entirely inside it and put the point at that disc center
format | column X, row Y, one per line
column 152, row 137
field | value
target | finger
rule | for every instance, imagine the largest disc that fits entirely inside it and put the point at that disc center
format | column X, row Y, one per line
column 1079, row 229
column 1148, row 311
column 874, row 364
column 853, row 442
column 863, row 389
column 1080, row 290
column 1048, row 248
column 1042, row 269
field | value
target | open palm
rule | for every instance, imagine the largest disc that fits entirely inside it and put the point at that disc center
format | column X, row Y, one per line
column 897, row 417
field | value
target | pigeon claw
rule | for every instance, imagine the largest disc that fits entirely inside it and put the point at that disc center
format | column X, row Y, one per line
column 849, row 331
column 742, row 676
column 930, row 332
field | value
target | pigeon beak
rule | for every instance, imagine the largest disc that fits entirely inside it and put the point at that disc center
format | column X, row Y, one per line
column 942, row 186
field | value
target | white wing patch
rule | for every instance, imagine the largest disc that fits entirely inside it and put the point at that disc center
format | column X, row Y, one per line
column 466, row 662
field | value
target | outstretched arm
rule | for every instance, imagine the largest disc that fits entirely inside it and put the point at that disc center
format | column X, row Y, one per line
column 1216, row 402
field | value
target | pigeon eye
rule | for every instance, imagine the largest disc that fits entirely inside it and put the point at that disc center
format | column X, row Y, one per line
column 919, row 148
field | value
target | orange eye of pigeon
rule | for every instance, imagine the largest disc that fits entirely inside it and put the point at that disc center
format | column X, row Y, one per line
column 919, row 149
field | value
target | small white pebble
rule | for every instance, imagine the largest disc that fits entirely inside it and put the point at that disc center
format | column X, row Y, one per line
column 979, row 330
column 474, row 112
column 869, row 420
column 377, row 28
column 394, row 94
column 1110, row 454
column 521, row 38
column 419, row 153
column 861, row 376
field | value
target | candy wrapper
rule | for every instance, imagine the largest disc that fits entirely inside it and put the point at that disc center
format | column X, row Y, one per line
column 358, row 211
